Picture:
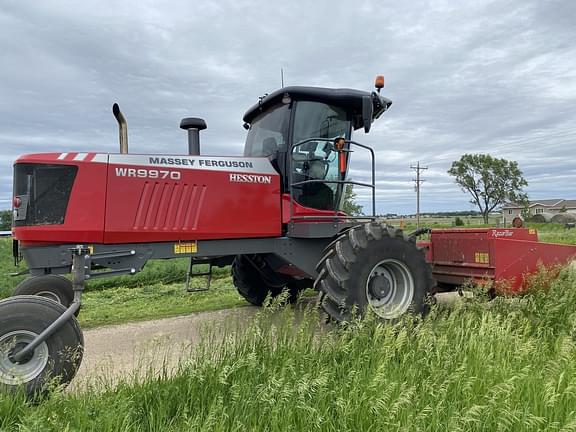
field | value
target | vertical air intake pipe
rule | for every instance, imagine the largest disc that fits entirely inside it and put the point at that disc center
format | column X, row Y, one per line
column 193, row 125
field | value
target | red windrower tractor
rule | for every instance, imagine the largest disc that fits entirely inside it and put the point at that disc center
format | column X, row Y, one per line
column 274, row 215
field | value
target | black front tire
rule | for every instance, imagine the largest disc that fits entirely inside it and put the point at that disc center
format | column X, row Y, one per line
column 53, row 362
column 54, row 287
column 374, row 267
column 255, row 281
column 249, row 281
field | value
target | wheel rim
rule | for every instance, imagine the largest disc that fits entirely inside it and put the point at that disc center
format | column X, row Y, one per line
column 390, row 288
column 50, row 295
column 18, row 373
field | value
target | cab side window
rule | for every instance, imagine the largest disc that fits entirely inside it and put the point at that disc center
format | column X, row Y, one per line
column 268, row 133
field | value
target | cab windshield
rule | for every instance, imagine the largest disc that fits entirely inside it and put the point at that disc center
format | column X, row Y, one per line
column 317, row 159
column 318, row 120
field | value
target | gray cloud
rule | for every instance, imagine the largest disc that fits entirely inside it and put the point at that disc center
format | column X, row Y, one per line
column 494, row 77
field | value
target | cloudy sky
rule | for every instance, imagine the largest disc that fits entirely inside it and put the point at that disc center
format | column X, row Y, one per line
column 494, row 77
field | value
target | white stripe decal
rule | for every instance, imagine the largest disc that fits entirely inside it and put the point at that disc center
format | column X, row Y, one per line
column 205, row 163
column 101, row 158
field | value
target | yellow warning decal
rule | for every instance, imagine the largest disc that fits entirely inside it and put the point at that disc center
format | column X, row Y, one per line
column 186, row 248
column 531, row 231
column 482, row 258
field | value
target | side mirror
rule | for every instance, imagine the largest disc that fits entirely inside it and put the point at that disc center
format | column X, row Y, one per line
column 367, row 112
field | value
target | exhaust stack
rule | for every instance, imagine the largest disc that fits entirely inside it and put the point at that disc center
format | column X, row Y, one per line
column 193, row 125
column 123, row 128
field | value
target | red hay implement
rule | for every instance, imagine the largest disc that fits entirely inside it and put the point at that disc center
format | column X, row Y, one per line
column 502, row 257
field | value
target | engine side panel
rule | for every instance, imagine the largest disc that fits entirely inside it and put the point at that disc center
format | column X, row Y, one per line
column 154, row 198
column 84, row 219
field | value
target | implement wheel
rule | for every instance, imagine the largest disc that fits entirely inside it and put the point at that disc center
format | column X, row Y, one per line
column 54, row 287
column 55, row 361
column 373, row 267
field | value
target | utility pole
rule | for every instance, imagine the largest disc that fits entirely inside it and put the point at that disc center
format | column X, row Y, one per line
column 418, row 181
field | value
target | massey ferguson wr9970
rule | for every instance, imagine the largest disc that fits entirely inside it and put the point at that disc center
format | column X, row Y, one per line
column 274, row 214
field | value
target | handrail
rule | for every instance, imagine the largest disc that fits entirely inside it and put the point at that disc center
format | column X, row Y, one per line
column 371, row 186
column 332, row 181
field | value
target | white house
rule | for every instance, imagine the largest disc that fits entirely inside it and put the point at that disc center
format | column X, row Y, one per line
column 551, row 206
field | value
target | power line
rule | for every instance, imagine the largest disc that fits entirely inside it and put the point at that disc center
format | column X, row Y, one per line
column 417, row 182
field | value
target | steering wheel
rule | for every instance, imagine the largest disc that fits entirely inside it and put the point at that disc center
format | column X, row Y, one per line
column 317, row 168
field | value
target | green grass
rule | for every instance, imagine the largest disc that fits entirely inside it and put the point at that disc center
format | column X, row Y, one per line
column 507, row 367
column 8, row 283
column 554, row 233
column 156, row 300
column 156, row 292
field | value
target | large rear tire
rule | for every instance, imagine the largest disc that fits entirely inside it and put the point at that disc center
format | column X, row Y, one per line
column 54, row 287
column 373, row 267
column 54, row 362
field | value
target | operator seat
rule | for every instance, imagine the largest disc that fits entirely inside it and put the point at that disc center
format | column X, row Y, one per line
column 269, row 147
column 270, row 150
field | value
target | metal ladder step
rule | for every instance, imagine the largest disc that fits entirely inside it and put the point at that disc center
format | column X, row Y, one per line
column 191, row 274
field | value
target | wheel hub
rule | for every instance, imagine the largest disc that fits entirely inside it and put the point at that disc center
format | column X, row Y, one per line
column 19, row 346
column 390, row 288
column 14, row 373
column 380, row 287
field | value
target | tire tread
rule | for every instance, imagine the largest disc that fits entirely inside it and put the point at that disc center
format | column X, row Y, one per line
column 341, row 257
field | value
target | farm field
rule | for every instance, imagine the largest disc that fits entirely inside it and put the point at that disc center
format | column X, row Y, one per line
column 442, row 221
column 158, row 291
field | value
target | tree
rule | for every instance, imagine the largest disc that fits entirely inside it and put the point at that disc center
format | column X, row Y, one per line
column 458, row 221
column 490, row 181
column 5, row 220
column 525, row 213
column 350, row 207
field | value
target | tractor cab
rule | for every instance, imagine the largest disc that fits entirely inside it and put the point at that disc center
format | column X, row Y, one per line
column 306, row 132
